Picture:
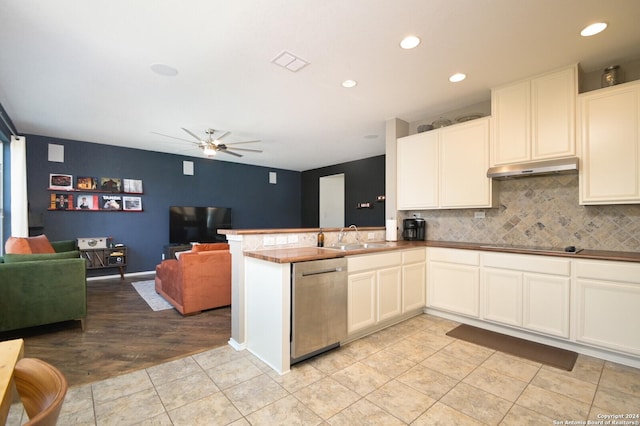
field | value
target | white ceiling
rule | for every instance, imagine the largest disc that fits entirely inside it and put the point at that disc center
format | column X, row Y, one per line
column 80, row 69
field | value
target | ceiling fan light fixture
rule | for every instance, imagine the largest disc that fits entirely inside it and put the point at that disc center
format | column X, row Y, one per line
column 209, row 151
column 593, row 29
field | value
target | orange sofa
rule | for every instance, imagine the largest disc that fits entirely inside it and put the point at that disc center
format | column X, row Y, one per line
column 199, row 279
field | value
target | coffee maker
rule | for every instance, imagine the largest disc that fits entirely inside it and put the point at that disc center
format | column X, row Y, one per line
column 414, row 229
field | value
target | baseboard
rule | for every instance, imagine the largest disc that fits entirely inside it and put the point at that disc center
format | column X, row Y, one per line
column 130, row 274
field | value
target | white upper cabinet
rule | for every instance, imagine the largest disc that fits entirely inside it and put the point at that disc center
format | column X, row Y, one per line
column 534, row 119
column 445, row 168
column 417, row 168
column 609, row 134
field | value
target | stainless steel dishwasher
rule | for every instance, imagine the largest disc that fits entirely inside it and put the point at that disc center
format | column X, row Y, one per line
column 318, row 306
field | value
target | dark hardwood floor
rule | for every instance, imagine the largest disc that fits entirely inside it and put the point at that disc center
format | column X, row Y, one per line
column 122, row 334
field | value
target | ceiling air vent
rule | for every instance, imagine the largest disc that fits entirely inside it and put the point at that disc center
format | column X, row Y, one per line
column 290, row 61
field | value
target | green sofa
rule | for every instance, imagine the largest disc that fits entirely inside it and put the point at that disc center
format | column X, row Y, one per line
column 38, row 289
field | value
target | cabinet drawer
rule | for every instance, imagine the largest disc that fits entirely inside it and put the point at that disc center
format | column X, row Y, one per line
column 519, row 262
column 373, row 261
column 609, row 271
column 463, row 257
column 414, row 256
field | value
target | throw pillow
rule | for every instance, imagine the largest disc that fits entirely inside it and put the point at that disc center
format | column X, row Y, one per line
column 40, row 244
column 17, row 245
column 20, row 245
column 16, row 258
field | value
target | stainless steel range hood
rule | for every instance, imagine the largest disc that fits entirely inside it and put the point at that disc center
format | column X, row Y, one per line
column 535, row 168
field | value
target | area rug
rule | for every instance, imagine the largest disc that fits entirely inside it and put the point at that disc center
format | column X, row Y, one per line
column 544, row 354
column 147, row 290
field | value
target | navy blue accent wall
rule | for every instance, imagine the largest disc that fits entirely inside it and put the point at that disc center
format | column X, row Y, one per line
column 255, row 203
column 363, row 181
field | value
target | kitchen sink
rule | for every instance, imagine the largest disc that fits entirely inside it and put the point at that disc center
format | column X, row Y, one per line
column 357, row 246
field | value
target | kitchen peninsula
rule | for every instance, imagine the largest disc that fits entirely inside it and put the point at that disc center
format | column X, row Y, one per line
column 586, row 288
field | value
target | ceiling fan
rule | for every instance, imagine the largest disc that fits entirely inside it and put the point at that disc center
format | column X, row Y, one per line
column 212, row 144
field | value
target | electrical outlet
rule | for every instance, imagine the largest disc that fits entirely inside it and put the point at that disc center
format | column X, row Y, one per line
column 478, row 215
column 281, row 239
column 418, row 215
column 269, row 241
column 371, row 236
column 292, row 239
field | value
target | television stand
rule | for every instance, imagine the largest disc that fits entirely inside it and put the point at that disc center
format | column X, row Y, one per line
column 171, row 250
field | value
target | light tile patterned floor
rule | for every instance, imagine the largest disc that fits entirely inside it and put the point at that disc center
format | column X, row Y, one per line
column 411, row 373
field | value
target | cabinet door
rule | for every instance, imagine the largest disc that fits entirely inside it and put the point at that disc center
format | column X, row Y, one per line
column 608, row 315
column 511, row 110
column 502, row 296
column 546, row 304
column 361, row 301
column 453, row 287
column 464, row 160
column 553, row 114
column 610, row 145
column 389, row 293
column 414, row 286
column 417, row 171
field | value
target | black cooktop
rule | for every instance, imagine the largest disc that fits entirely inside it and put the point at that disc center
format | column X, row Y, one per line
column 567, row 249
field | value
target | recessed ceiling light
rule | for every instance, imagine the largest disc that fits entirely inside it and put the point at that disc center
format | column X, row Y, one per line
column 164, row 69
column 349, row 83
column 371, row 137
column 410, row 42
column 593, row 29
column 458, row 77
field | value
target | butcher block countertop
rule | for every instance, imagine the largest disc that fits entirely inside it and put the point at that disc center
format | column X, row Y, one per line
column 303, row 254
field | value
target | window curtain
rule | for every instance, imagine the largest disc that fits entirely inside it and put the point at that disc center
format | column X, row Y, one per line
column 19, row 213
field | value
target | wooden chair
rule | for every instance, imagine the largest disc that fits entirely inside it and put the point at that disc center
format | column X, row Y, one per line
column 42, row 389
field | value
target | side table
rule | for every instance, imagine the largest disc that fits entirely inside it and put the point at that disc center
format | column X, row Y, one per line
column 101, row 258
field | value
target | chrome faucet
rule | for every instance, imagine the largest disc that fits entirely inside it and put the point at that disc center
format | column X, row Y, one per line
column 341, row 234
column 358, row 240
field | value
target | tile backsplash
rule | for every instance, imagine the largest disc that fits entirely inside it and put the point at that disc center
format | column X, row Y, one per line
column 540, row 211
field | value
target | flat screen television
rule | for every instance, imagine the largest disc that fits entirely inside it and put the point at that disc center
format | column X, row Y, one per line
column 198, row 224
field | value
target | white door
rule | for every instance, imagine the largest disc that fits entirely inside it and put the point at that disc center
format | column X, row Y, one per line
column 332, row 201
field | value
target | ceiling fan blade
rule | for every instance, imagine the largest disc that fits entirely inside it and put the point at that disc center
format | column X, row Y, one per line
column 225, row 134
column 192, row 134
column 238, row 143
column 173, row 137
column 230, row 152
column 245, row 149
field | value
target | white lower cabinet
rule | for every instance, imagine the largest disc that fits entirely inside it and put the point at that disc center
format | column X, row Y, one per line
column 608, row 305
column 374, row 289
column 384, row 286
column 361, row 297
column 453, row 282
column 531, row 292
column 414, row 279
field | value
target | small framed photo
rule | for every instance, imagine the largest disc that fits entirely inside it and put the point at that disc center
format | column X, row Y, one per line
column 111, row 202
column 64, row 182
column 111, row 184
column 87, row 202
column 89, row 183
column 132, row 203
column 133, row 186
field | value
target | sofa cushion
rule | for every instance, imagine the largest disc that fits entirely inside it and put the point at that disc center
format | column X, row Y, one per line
column 14, row 258
column 209, row 247
column 28, row 245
